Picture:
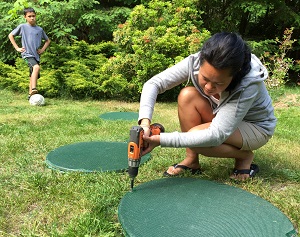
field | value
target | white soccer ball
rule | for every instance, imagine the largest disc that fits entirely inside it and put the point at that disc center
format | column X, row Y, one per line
column 37, row 99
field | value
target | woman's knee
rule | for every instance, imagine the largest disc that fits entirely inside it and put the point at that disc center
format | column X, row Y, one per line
column 193, row 105
column 187, row 94
column 191, row 96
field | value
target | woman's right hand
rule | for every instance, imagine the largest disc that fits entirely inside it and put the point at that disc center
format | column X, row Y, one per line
column 147, row 133
column 145, row 124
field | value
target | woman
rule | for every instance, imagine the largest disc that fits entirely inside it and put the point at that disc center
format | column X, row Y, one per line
column 228, row 112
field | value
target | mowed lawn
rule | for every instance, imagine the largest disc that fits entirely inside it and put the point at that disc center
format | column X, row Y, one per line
column 38, row 201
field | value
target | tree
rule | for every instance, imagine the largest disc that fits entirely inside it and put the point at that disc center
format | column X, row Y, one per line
column 263, row 19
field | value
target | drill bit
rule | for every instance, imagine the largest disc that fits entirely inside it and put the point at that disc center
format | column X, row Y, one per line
column 131, row 184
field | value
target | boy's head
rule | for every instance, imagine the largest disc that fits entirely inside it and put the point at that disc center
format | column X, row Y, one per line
column 28, row 10
column 29, row 15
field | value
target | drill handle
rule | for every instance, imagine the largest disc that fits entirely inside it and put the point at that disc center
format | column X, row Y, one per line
column 135, row 142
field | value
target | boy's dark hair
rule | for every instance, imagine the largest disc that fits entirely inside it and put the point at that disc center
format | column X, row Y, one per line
column 29, row 9
column 227, row 51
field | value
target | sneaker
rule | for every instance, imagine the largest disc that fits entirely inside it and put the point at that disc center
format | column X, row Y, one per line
column 33, row 91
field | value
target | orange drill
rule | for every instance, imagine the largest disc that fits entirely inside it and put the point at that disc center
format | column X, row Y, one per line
column 136, row 146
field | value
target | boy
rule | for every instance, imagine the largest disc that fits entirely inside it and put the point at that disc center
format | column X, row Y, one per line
column 32, row 36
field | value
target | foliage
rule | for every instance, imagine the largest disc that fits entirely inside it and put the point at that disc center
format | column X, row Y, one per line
column 12, row 78
column 151, row 40
column 231, row 15
column 99, row 25
column 154, row 35
column 73, row 70
column 252, row 19
column 255, row 20
column 70, row 71
column 7, row 52
column 278, row 63
column 82, row 61
column 63, row 21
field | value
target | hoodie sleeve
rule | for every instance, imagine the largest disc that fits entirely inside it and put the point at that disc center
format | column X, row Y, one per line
column 161, row 82
column 223, row 125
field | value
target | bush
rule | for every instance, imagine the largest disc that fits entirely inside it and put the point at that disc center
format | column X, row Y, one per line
column 14, row 78
column 278, row 63
column 153, row 37
column 68, row 71
column 273, row 53
column 73, row 71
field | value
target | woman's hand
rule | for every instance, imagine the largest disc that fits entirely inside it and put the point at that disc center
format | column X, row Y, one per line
column 152, row 142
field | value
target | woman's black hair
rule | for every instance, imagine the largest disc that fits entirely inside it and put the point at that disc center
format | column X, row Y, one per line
column 227, row 51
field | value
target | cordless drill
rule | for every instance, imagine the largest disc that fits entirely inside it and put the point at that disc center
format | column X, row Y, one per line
column 136, row 146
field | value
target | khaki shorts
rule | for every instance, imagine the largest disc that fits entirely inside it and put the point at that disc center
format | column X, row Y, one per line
column 253, row 136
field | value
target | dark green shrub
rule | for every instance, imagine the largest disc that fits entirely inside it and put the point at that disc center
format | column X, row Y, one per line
column 14, row 78
column 154, row 37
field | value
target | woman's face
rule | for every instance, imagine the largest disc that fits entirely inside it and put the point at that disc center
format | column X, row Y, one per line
column 212, row 80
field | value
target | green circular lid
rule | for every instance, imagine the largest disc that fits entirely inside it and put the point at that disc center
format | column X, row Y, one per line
column 194, row 207
column 91, row 156
column 120, row 116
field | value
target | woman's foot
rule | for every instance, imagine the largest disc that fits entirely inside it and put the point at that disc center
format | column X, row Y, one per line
column 177, row 169
column 249, row 173
column 242, row 168
column 184, row 168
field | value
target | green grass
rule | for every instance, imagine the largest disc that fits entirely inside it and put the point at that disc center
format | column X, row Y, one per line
column 38, row 201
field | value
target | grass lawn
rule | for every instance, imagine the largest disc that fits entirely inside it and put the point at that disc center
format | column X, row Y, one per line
column 38, row 201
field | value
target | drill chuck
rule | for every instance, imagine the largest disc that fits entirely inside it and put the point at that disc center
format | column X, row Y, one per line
column 133, row 167
column 133, row 171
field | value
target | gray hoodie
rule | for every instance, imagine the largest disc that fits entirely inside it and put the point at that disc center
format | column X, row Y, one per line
column 249, row 102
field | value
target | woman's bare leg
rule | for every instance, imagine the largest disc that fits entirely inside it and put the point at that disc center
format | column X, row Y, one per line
column 195, row 113
column 193, row 110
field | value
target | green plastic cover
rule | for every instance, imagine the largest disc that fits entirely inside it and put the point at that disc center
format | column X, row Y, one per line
column 195, row 207
column 91, row 156
column 120, row 116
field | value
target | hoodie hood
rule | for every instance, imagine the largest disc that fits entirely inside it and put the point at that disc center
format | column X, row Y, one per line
column 258, row 72
column 257, row 75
